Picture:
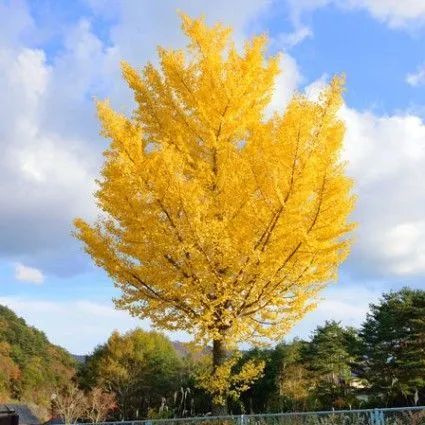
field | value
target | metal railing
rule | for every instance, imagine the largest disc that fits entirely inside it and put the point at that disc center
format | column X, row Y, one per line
column 384, row 416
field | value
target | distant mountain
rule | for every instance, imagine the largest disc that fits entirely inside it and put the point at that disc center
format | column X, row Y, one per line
column 180, row 347
column 185, row 348
column 31, row 367
column 79, row 358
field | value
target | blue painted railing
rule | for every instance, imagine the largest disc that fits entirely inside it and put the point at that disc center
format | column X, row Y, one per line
column 383, row 416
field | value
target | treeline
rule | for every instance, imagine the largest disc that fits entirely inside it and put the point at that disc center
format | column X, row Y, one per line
column 143, row 374
column 380, row 364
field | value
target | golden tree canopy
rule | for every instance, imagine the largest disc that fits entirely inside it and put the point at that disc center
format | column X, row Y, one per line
column 217, row 219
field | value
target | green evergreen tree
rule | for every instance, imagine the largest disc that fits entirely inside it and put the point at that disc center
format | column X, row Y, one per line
column 394, row 348
column 331, row 356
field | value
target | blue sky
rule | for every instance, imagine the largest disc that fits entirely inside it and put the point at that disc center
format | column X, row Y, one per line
column 56, row 56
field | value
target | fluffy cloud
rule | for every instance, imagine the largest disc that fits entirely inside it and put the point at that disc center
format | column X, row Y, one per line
column 386, row 156
column 28, row 274
column 47, row 177
column 285, row 85
column 395, row 13
column 288, row 40
column 416, row 78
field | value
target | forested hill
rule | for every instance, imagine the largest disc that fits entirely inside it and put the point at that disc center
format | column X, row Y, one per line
column 31, row 367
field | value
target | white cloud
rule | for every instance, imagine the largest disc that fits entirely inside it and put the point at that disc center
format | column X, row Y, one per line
column 28, row 274
column 386, row 156
column 15, row 19
column 314, row 89
column 286, row 84
column 395, row 13
column 405, row 243
column 47, row 176
column 78, row 325
column 289, row 40
column 416, row 78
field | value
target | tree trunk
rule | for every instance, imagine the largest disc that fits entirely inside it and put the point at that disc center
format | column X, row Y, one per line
column 219, row 357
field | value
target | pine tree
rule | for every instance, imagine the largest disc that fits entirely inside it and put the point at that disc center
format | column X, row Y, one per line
column 394, row 346
column 331, row 355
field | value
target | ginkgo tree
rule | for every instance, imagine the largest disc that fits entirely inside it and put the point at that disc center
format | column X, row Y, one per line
column 219, row 219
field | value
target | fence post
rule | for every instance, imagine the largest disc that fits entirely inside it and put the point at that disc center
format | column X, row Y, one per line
column 381, row 417
column 377, row 417
column 241, row 419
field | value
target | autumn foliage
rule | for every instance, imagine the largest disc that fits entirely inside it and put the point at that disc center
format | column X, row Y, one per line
column 30, row 366
column 216, row 218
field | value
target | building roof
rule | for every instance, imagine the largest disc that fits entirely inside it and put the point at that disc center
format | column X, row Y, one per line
column 26, row 415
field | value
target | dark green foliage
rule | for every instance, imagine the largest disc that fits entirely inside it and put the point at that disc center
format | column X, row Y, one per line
column 394, row 348
column 331, row 356
column 305, row 375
